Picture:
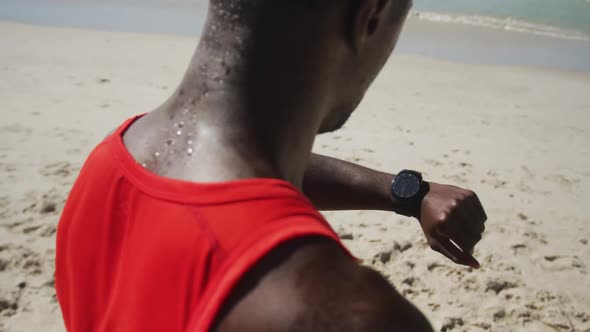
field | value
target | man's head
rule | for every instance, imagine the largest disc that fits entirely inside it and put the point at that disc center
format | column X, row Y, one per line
column 317, row 55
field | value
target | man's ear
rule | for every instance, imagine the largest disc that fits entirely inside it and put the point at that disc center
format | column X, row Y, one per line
column 366, row 19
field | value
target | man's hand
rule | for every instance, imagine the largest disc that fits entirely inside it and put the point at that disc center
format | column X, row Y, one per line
column 448, row 215
column 453, row 221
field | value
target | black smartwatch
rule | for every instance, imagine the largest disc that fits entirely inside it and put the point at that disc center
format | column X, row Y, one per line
column 408, row 188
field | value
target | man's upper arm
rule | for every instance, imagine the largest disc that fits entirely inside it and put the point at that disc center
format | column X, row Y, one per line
column 311, row 285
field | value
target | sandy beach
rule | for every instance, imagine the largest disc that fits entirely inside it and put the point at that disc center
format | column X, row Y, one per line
column 518, row 136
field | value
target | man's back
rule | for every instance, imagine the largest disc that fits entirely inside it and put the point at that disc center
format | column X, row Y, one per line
column 137, row 252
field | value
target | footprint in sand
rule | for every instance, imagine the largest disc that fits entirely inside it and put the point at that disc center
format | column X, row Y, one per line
column 558, row 312
column 33, row 206
column 20, row 259
column 59, row 169
column 563, row 263
column 386, row 255
column 8, row 305
column 30, row 262
column 10, row 298
column 497, row 286
column 39, row 230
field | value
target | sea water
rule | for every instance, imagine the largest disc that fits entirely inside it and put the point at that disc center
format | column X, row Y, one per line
column 557, row 18
column 547, row 33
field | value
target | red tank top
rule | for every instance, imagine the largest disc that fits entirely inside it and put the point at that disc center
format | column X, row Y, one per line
column 139, row 252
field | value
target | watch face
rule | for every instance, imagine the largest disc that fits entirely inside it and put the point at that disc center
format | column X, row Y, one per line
column 406, row 185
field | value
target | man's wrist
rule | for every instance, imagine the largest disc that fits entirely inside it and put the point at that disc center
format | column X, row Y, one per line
column 406, row 201
column 411, row 211
column 374, row 185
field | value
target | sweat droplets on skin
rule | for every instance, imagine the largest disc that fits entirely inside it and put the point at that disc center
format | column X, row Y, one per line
column 170, row 142
column 218, row 75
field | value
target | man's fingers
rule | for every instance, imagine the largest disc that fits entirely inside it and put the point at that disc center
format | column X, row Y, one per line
column 471, row 218
column 447, row 248
column 442, row 231
column 467, row 218
column 463, row 236
column 466, row 241
column 464, row 257
column 466, row 224
column 438, row 247
column 476, row 214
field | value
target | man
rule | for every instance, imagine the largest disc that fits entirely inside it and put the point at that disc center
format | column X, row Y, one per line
column 190, row 218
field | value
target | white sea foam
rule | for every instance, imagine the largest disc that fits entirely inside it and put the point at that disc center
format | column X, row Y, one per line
column 508, row 23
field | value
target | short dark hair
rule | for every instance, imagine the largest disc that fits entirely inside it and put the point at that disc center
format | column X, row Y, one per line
column 238, row 7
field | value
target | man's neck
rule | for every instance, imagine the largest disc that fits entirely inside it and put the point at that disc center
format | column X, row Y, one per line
column 226, row 130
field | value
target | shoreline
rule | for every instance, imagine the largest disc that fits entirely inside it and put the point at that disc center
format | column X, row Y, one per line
column 508, row 23
column 437, row 35
column 482, row 45
column 452, row 42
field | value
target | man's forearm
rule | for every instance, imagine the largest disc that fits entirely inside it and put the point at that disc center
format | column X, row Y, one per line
column 452, row 218
column 334, row 184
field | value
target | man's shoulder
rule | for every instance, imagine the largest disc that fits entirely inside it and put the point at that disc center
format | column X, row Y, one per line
column 274, row 292
column 313, row 285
